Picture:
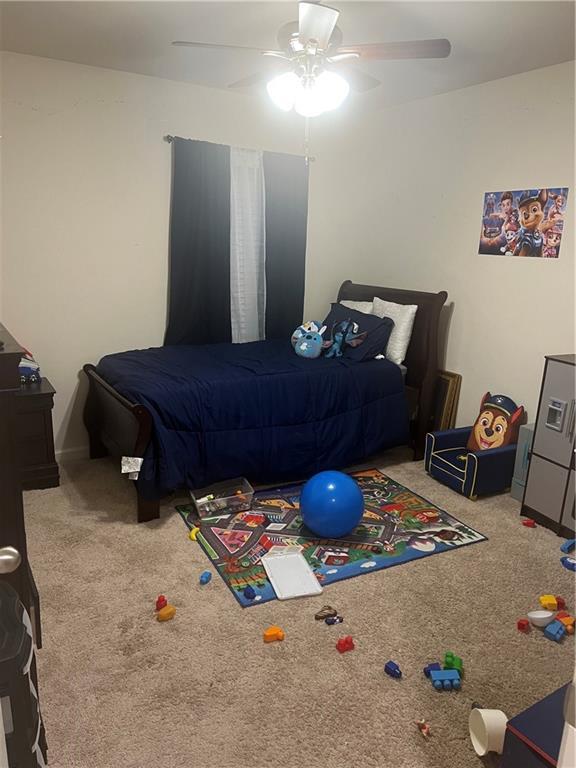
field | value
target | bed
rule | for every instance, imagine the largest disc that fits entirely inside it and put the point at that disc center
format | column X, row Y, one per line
column 196, row 415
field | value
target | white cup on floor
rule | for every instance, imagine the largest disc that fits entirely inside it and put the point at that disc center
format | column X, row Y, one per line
column 487, row 730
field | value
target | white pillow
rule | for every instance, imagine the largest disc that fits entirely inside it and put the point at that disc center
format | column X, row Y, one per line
column 403, row 316
column 360, row 306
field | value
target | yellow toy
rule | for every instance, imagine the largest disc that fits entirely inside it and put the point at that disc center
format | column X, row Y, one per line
column 166, row 613
column 193, row 533
column 272, row 634
column 548, row 602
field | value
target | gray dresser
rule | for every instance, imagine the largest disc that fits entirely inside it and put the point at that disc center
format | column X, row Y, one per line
column 550, row 485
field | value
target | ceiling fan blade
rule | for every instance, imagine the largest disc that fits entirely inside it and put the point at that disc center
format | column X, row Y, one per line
column 408, row 49
column 276, row 55
column 219, row 46
column 357, row 79
column 247, row 82
column 316, row 22
column 342, row 57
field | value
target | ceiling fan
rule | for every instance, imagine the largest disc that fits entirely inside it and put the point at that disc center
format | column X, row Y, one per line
column 311, row 51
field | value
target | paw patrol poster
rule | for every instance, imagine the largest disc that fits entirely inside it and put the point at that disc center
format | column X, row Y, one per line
column 529, row 222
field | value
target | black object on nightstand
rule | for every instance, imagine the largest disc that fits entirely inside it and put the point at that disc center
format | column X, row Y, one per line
column 35, row 438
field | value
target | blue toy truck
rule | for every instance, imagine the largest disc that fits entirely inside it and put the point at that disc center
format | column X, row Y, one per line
column 445, row 679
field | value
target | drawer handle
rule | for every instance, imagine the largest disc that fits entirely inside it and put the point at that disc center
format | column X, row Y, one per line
column 571, row 419
column 568, row 421
column 10, row 559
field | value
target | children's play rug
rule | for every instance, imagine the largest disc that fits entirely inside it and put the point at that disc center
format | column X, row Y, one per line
column 397, row 526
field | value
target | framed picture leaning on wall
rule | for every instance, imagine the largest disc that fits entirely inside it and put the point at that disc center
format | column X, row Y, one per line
column 447, row 397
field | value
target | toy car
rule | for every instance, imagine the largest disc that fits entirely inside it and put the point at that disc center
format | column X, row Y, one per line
column 29, row 371
column 392, row 669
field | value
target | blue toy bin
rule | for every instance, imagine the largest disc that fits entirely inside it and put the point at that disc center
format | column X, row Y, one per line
column 471, row 473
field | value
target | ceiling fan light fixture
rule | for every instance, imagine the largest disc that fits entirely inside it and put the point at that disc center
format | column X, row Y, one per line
column 309, row 96
column 312, row 43
column 283, row 90
column 307, row 102
column 332, row 90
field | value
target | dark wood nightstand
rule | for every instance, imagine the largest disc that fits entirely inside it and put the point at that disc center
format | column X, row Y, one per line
column 35, row 438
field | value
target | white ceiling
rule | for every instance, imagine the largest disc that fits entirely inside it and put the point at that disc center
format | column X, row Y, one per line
column 489, row 39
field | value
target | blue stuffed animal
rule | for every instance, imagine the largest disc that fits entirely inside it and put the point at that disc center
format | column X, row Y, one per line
column 343, row 333
column 312, row 326
column 307, row 340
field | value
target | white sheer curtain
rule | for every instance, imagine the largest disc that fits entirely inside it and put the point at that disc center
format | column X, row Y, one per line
column 247, row 245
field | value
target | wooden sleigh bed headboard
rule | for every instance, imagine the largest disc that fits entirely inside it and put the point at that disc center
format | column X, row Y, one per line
column 422, row 356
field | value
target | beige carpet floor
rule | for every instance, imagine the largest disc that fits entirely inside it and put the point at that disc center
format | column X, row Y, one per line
column 120, row 690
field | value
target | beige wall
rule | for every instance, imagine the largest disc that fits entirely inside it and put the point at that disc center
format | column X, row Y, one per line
column 86, row 184
column 395, row 199
column 403, row 204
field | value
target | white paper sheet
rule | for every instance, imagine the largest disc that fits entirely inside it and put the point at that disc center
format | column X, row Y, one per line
column 290, row 574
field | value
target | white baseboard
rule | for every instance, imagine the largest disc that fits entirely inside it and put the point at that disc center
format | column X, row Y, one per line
column 65, row 455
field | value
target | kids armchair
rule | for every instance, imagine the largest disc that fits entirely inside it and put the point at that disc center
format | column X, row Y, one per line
column 477, row 460
column 471, row 473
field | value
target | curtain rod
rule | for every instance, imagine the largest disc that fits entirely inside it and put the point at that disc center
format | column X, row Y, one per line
column 168, row 138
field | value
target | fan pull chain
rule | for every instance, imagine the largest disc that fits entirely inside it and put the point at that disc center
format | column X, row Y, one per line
column 307, row 140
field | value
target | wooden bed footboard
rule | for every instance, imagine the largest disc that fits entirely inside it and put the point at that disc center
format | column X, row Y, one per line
column 117, row 427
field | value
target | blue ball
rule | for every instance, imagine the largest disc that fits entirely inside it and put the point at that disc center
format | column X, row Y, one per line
column 331, row 504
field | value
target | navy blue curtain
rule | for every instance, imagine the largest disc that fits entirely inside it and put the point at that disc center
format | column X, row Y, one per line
column 199, row 270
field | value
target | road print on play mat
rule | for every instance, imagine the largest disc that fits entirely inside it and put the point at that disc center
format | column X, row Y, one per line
column 397, row 526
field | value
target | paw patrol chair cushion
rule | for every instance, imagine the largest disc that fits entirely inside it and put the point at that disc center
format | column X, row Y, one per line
column 477, row 460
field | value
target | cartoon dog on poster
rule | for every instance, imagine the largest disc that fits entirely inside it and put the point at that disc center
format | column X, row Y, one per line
column 511, row 230
column 552, row 241
column 531, row 210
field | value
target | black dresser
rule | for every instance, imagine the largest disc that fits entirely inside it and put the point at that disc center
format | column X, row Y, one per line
column 35, row 437
column 22, row 737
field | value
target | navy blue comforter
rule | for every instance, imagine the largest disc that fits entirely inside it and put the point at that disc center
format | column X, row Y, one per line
column 256, row 410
